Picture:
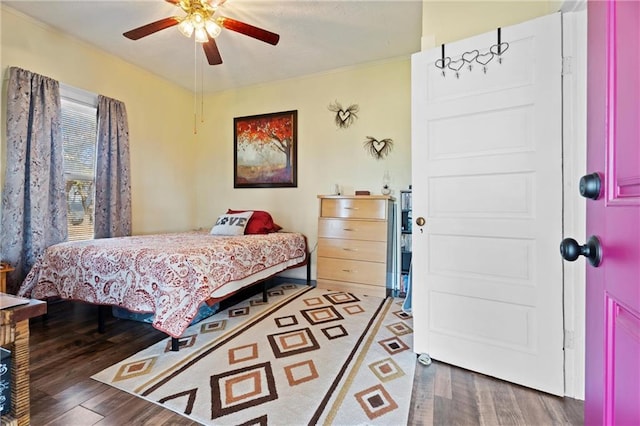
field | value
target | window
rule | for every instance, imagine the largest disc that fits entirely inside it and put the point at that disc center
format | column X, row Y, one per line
column 79, row 135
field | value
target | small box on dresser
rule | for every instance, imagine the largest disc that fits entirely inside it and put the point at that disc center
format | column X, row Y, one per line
column 355, row 243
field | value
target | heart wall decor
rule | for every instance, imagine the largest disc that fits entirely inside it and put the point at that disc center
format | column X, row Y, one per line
column 344, row 117
column 378, row 148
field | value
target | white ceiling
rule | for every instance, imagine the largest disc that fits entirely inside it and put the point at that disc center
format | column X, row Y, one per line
column 315, row 36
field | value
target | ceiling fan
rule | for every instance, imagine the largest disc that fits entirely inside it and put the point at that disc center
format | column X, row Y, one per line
column 204, row 25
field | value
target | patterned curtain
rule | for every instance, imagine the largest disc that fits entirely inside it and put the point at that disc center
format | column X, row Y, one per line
column 34, row 209
column 113, row 182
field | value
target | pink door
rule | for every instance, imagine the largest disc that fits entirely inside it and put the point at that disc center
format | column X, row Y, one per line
column 612, row 394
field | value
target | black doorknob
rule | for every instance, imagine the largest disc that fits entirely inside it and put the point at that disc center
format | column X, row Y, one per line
column 571, row 250
column 590, row 186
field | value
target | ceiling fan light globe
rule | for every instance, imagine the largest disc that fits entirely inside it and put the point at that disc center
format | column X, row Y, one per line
column 197, row 19
column 201, row 35
column 213, row 28
column 186, row 27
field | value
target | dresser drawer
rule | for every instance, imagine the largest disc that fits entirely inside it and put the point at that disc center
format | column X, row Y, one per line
column 352, row 229
column 352, row 271
column 353, row 208
column 371, row 251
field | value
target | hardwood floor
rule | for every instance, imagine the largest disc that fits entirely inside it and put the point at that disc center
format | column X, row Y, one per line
column 447, row 395
column 66, row 350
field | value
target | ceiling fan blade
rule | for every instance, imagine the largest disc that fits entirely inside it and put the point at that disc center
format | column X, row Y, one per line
column 249, row 30
column 211, row 51
column 151, row 28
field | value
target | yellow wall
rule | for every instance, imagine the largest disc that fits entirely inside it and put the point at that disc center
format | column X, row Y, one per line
column 326, row 154
column 445, row 21
column 159, row 112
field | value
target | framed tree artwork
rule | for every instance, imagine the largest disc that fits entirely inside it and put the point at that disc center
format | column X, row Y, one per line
column 265, row 150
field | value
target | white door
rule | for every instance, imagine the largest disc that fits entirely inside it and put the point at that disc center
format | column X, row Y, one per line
column 487, row 178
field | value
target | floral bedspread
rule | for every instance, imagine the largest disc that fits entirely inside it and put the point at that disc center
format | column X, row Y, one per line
column 169, row 275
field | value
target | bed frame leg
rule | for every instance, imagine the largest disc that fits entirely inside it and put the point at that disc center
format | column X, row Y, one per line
column 102, row 315
column 308, row 269
column 175, row 344
column 265, row 296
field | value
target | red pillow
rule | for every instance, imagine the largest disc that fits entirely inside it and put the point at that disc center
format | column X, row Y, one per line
column 260, row 222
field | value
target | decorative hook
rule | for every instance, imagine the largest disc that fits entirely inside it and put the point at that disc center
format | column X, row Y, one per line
column 484, row 59
column 467, row 58
column 456, row 66
column 499, row 48
column 443, row 62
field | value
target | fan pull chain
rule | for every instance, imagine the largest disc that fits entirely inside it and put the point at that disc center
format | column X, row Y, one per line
column 195, row 87
column 201, row 89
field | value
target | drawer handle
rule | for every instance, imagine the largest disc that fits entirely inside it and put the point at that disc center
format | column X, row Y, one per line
column 348, row 270
column 352, row 208
column 349, row 249
column 349, row 229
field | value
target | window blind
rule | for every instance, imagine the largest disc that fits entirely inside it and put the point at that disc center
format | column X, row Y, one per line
column 79, row 123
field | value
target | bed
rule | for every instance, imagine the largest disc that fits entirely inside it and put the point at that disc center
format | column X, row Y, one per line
column 169, row 275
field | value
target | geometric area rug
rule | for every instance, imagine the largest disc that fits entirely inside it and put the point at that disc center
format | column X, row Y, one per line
column 307, row 356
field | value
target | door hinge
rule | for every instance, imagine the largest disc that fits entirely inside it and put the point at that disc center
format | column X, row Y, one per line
column 567, row 65
column 569, row 339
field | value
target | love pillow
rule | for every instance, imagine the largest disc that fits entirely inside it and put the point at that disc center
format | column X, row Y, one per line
column 261, row 222
column 231, row 224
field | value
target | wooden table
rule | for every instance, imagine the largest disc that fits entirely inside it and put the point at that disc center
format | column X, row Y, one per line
column 14, row 335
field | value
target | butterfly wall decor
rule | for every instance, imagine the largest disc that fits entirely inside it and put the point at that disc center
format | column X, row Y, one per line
column 378, row 148
column 344, row 117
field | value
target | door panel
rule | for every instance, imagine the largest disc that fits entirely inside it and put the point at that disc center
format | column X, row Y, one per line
column 487, row 176
column 500, row 261
column 612, row 388
column 515, row 331
column 449, row 136
column 623, row 368
column 504, row 195
column 623, row 146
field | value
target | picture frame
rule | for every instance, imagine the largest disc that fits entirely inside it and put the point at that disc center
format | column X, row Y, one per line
column 265, row 150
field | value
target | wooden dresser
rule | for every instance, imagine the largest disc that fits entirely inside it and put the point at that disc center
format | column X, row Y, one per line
column 355, row 243
column 5, row 268
column 14, row 336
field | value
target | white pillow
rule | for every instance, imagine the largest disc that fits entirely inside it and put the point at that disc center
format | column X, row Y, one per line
column 231, row 224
